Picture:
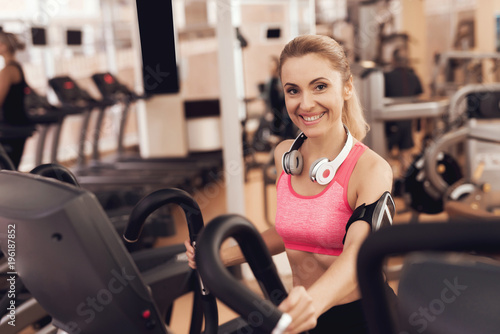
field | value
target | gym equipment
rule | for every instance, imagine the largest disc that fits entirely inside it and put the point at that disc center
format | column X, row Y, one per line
column 196, row 165
column 477, row 107
column 379, row 109
column 5, row 162
column 69, row 93
column 145, row 260
column 444, row 82
column 62, row 174
column 417, row 188
column 480, row 140
column 195, row 224
column 260, row 316
column 65, row 224
column 159, row 226
column 451, row 294
column 46, row 221
column 322, row 170
column 435, row 177
column 111, row 89
column 57, row 172
column 118, row 190
column 46, row 116
column 8, row 131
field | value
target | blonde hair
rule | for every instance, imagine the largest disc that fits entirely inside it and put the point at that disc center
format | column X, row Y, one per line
column 11, row 41
column 324, row 46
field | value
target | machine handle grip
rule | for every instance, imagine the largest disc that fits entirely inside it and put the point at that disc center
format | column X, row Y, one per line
column 56, row 171
column 157, row 199
column 229, row 290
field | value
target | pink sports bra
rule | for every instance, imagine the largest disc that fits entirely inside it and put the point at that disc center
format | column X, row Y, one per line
column 316, row 223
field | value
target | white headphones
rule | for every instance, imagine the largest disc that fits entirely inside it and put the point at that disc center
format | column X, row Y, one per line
column 322, row 170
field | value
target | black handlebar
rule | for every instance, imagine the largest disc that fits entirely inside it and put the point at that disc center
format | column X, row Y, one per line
column 156, row 200
column 194, row 219
column 229, row 290
column 56, row 171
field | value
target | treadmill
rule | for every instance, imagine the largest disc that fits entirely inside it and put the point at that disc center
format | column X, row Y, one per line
column 205, row 163
column 96, row 173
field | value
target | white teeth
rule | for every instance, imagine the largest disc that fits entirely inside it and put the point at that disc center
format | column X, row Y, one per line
column 312, row 118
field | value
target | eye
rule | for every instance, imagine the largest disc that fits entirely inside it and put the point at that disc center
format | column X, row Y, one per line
column 321, row 87
column 291, row 91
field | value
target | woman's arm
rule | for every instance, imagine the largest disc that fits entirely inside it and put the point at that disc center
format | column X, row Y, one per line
column 232, row 255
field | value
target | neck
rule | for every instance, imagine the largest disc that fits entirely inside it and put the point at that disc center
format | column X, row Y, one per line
column 329, row 145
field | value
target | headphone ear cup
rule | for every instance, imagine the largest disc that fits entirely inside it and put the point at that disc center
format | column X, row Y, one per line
column 285, row 162
column 294, row 162
column 321, row 171
column 313, row 171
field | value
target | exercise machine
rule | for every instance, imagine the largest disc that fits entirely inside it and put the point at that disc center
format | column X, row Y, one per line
column 66, row 224
column 46, row 117
column 203, row 165
column 436, row 180
column 439, row 292
column 379, row 109
column 70, row 93
column 257, row 315
column 5, row 162
column 455, row 69
column 8, row 131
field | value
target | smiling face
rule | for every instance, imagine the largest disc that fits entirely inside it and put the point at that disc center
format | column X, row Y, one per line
column 314, row 93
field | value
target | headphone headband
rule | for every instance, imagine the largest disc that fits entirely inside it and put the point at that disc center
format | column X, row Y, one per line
column 323, row 170
column 297, row 143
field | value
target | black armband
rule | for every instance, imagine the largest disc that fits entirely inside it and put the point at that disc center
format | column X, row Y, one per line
column 378, row 214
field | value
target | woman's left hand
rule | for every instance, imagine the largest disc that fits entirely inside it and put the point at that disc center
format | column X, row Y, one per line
column 299, row 305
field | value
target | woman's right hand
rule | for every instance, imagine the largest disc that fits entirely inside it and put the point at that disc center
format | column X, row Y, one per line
column 190, row 254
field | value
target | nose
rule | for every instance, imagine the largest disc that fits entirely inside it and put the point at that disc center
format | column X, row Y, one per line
column 307, row 102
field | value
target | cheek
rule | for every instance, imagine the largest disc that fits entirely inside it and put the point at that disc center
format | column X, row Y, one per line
column 290, row 104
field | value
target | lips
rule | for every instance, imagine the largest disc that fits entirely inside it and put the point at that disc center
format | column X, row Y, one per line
column 312, row 118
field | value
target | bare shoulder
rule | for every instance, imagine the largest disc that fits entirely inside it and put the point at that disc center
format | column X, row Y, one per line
column 4, row 74
column 9, row 74
column 373, row 176
column 372, row 161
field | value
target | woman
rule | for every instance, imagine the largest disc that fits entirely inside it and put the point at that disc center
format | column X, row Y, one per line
column 312, row 216
column 12, row 90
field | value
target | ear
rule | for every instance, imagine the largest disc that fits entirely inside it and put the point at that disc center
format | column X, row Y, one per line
column 348, row 89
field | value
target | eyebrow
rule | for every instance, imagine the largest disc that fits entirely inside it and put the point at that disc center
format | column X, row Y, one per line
column 310, row 83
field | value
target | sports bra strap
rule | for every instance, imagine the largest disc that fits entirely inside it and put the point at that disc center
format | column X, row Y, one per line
column 345, row 173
